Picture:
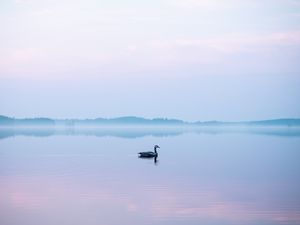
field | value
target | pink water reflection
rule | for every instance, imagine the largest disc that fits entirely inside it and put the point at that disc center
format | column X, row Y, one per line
column 115, row 201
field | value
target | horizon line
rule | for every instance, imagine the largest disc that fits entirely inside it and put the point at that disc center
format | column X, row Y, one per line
column 153, row 118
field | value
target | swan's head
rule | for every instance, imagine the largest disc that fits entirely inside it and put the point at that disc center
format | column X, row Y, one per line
column 156, row 146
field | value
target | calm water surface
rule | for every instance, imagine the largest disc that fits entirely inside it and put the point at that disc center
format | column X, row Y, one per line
column 95, row 177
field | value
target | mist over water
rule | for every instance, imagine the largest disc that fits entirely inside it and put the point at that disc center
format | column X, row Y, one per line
column 141, row 131
column 94, row 176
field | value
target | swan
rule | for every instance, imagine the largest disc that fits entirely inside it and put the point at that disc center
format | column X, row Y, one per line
column 149, row 154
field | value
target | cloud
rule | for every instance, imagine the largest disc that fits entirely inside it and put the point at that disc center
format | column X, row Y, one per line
column 204, row 4
column 22, row 1
column 258, row 53
column 215, row 4
column 294, row 2
column 43, row 12
column 235, row 43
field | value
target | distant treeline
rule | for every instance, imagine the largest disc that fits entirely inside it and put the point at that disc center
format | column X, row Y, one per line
column 7, row 121
column 138, row 121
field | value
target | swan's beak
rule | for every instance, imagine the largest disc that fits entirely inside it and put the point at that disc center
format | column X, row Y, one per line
column 158, row 147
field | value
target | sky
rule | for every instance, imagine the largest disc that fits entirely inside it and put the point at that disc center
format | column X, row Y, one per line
column 187, row 59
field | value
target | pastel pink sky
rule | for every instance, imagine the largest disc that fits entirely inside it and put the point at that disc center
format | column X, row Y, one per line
column 140, row 45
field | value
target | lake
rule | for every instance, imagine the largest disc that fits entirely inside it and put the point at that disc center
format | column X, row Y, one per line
column 94, row 176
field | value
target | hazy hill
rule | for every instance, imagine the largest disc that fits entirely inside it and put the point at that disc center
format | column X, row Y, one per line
column 7, row 121
column 276, row 122
column 138, row 121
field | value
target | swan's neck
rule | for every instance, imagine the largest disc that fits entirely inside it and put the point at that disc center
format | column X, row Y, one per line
column 155, row 150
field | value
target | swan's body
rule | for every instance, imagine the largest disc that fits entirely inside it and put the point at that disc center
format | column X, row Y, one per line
column 149, row 154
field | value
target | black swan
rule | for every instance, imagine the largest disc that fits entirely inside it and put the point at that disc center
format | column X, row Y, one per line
column 149, row 154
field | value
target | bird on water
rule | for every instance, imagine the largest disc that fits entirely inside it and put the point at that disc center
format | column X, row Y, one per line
column 149, row 154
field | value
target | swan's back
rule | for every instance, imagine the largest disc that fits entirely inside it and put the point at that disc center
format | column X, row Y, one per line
column 147, row 154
